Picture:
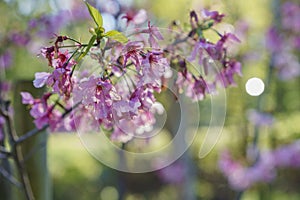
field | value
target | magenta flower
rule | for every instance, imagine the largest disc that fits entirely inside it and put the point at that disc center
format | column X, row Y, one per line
column 225, row 77
column 60, row 80
column 154, row 66
column 98, row 94
column 214, row 15
column 198, row 89
column 132, row 51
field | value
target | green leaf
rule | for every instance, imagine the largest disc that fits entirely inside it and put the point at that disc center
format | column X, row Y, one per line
column 90, row 44
column 95, row 14
column 116, row 35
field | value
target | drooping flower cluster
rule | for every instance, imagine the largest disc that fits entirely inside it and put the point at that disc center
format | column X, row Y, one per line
column 211, row 58
column 60, row 79
column 121, row 96
column 241, row 177
column 42, row 111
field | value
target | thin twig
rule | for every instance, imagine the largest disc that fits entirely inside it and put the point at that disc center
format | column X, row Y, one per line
column 10, row 178
column 18, row 158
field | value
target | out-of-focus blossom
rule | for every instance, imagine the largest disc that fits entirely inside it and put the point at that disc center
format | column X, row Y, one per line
column 264, row 170
column 259, row 118
column 173, row 173
column 2, row 122
column 48, row 25
column 5, row 60
column 136, row 18
column 274, row 40
column 20, row 39
column 291, row 16
column 241, row 177
column 288, row 156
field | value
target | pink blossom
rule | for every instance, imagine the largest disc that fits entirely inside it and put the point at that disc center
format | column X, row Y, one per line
column 40, row 79
column 136, row 17
column 27, row 98
column 98, row 94
column 41, row 111
column 132, row 51
column 214, row 15
column 198, row 89
column 225, row 76
column 154, row 66
column 60, row 79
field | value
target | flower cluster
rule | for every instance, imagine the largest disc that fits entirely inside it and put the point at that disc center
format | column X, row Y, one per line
column 42, row 111
column 212, row 58
column 264, row 170
column 121, row 96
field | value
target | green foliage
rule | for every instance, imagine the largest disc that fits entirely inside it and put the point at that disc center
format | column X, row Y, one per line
column 95, row 14
column 99, row 31
column 116, row 35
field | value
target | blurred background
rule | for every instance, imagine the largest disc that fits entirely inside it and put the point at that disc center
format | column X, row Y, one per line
column 271, row 118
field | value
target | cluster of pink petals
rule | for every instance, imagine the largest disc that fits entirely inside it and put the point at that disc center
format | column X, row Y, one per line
column 204, row 50
column 42, row 112
column 61, row 78
column 264, row 170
